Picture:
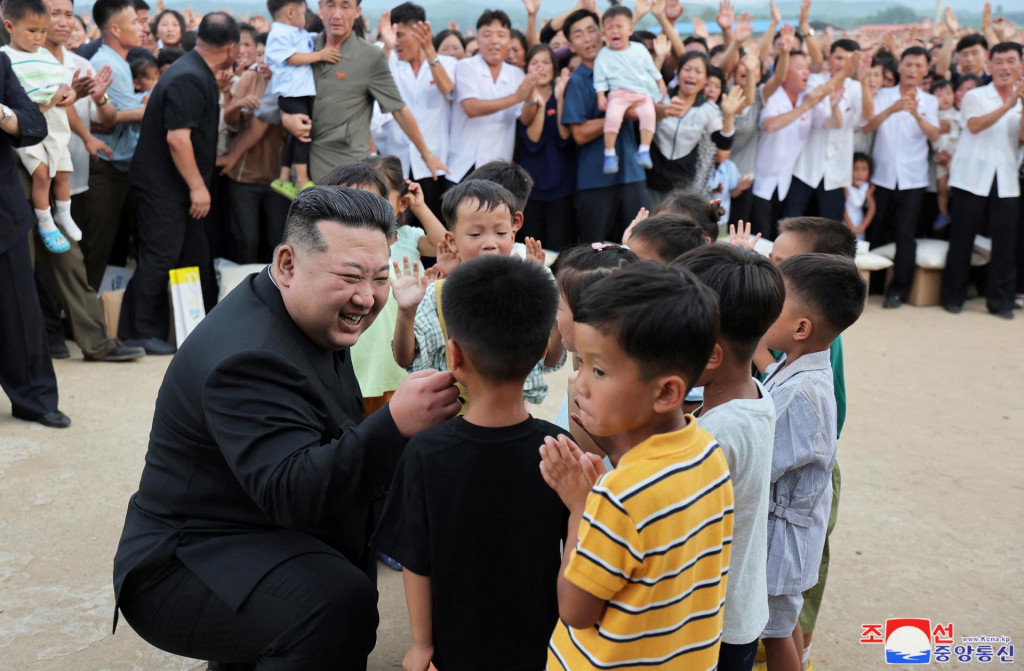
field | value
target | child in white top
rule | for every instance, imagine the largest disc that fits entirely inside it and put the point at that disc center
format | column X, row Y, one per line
column 949, row 126
column 860, row 196
column 624, row 76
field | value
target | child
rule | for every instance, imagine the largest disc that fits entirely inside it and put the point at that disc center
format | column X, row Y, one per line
column 726, row 184
column 145, row 75
column 740, row 414
column 513, row 177
column 468, row 514
column 405, row 195
column 290, row 56
column 482, row 220
column 624, row 75
column 706, row 214
column 860, row 196
column 644, row 576
column 49, row 162
column 825, row 295
column 949, row 126
column 664, row 237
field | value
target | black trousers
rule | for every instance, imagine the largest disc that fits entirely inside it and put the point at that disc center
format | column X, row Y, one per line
column 968, row 212
column 433, row 191
column 553, row 222
column 109, row 210
column 26, row 372
column 896, row 221
column 734, row 657
column 295, row 151
column 1020, row 244
column 168, row 238
column 314, row 611
column 765, row 215
column 603, row 214
column 831, row 204
column 258, row 215
column 741, row 206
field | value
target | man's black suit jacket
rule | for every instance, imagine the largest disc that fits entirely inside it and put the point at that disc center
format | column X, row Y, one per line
column 258, row 453
column 15, row 214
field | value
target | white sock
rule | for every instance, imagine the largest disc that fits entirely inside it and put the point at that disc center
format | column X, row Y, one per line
column 643, row 148
column 63, row 217
column 806, row 655
column 609, row 152
column 45, row 221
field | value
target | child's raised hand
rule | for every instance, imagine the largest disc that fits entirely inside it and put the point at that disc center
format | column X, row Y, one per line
column 560, row 467
column 448, row 258
column 64, row 96
column 640, row 216
column 739, row 236
column 407, row 285
column 415, row 194
column 535, row 251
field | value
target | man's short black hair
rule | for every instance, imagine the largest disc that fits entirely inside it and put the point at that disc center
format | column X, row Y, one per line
column 1004, row 47
column 670, row 235
column 617, row 10
column 750, row 292
column 579, row 267
column 663, row 317
column 490, row 16
column 275, row 6
column 576, row 17
column 188, row 40
column 102, row 11
column 218, row 30
column 357, row 175
column 971, row 40
column 829, row 286
column 140, row 5
column 706, row 214
column 939, row 84
column 846, row 44
column 408, row 14
column 792, row 54
column 695, row 39
column 642, row 36
column 488, row 196
column 916, row 51
column 261, row 38
column 341, row 204
column 16, row 10
column 509, row 175
column 500, row 310
column 827, row 236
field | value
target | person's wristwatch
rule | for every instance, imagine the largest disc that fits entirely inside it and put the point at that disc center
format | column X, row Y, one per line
column 435, row 62
column 103, row 101
column 7, row 113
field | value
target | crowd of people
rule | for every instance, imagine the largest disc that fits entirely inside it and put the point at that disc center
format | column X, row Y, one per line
column 391, row 176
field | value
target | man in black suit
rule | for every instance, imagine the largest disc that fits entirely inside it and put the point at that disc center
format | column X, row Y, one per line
column 26, row 372
column 247, row 539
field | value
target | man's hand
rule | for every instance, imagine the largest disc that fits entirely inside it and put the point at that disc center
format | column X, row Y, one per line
column 81, row 85
column 561, row 466
column 200, row 199
column 563, row 81
column 94, row 146
column 101, row 81
column 227, row 162
column 329, row 55
column 535, row 251
column 805, row 14
column 407, row 285
column 744, row 28
column 733, row 101
column 425, row 36
column 673, row 10
column 662, row 47
column 602, row 101
column 726, row 15
column 436, row 167
column 776, row 14
column 817, row 94
column 526, row 88
column 532, row 7
column 224, row 80
column 788, row 34
column 423, row 400
column 64, row 96
column 385, row 32
column 699, row 28
column 418, row 657
column 299, row 125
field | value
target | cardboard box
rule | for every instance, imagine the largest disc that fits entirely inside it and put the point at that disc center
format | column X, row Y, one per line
column 927, row 287
column 110, row 305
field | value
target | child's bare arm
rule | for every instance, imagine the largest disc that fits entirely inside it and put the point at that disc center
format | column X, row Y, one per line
column 325, row 55
column 419, row 603
column 408, row 290
column 870, row 214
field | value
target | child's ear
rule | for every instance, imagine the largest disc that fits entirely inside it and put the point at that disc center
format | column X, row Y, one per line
column 449, row 240
column 671, row 393
column 454, row 355
column 804, row 329
column 517, row 222
column 403, row 204
column 716, row 357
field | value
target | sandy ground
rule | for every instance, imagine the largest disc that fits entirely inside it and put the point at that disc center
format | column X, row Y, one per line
column 931, row 521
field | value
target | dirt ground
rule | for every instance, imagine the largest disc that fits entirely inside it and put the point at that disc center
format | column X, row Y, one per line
column 930, row 525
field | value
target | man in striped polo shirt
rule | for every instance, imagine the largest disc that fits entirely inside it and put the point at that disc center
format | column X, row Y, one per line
column 644, row 583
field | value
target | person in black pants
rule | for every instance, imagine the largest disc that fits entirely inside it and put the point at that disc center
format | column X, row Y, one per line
column 26, row 372
column 172, row 172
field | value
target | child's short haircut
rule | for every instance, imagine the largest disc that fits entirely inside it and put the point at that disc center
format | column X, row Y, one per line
column 16, row 10
column 500, row 310
column 141, row 66
column 579, row 267
column 509, row 175
column 940, row 84
column 704, row 213
column 617, row 10
column 275, row 6
column 861, row 157
column 663, row 317
column 750, row 292
column 670, row 234
column 830, row 286
column 168, row 56
column 827, row 236
column 488, row 196
column 357, row 175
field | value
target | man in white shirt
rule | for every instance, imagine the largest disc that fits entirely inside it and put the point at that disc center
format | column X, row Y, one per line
column 983, row 183
column 490, row 94
column 825, row 166
column 785, row 123
column 907, row 122
column 426, row 81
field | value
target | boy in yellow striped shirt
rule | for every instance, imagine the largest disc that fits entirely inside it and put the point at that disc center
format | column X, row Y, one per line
column 643, row 581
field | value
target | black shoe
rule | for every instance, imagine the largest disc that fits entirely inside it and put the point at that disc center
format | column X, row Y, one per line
column 1003, row 314
column 54, row 420
column 892, row 302
column 952, row 309
column 121, row 352
column 153, row 346
column 60, row 351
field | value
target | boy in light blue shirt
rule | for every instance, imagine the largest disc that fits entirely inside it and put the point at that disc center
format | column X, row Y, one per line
column 290, row 55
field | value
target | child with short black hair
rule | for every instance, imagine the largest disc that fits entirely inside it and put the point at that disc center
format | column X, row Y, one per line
column 860, row 196
column 740, row 414
column 468, row 514
column 513, row 177
column 825, row 295
column 644, row 574
column 949, row 129
column 145, row 75
column 664, row 237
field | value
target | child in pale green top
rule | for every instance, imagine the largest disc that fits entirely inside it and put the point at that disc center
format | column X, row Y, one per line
column 412, row 241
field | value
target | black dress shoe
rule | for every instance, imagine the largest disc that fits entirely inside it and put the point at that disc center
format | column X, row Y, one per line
column 60, row 351
column 121, row 352
column 952, row 309
column 1003, row 314
column 153, row 345
column 54, row 420
column 892, row 302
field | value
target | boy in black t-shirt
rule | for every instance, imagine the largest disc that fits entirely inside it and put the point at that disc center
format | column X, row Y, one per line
column 469, row 517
